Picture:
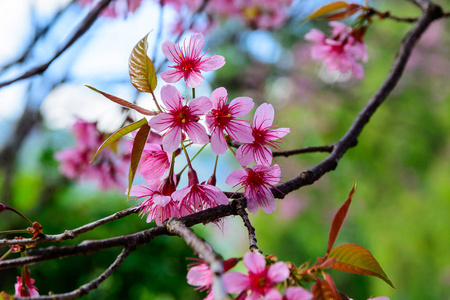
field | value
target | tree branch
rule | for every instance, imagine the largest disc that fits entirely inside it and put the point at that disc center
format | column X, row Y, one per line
column 327, row 148
column 215, row 261
column 82, row 28
column 88, row 287
column 251, row 230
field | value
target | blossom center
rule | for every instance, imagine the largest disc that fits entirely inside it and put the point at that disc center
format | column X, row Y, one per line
column 221, row 116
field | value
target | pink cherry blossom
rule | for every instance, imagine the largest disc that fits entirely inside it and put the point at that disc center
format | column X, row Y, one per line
column 223, row 117
column 109, row 169
column 264, row 14
column 256, row 182
column 200, row 275
column 260, row 281
column 180, row 118
column 154, row 162
column 340, row 52
column 189, row 61
column 159, row 204
column 24, row 287
column 259, row 150
column 297, row 293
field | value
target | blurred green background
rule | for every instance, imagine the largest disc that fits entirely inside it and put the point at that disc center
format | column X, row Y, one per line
column 400, row 212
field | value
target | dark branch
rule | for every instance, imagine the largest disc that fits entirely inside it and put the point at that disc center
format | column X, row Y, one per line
column 327, row 148
column 251, row 230
column 82, row 28
column 88, row 287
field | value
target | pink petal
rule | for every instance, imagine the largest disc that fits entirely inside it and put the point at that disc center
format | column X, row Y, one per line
column 315, row 35
column 161, row 200
column 278, row 272
column 172, row 76
column 298, row 293
column 171, row 97
column 194, row 79
column 240, row 131
column 196, row 43
column 241, row 106
column 235, row 282
column 219, row 196
column 252, row 205
column 200, row 105
column 255, row 263
column 244, row 154
column 276, row 134
column 274, row 175
column 172, row 139
column 212, row 63
column 273, row 294
column 197, row 133
column 264, row 198
column 236, row 177
column 171, row 51
column 263, row 156
column 218, row 143
column 218, row 96
column 161, row 122
column 263, row 116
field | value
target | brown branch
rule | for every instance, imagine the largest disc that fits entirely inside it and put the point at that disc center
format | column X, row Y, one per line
column 88, row 287
column 82, row 28
column 70, row 234
column 251, row 230
column 327, row 148
column 387, row 15
column 215, row 261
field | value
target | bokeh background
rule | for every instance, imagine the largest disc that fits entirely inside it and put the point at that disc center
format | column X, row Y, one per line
column 401, row 210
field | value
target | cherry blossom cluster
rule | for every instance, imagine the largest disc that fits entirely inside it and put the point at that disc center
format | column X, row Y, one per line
column 178, row 125
column 264, row 14
column 342, row 51
column 109, row 170
column 266, row 278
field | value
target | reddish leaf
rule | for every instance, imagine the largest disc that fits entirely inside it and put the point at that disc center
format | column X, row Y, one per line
column 355, row 259
column 339, row 219
column 120, row 133
column 349, row 11
column 125, row 103
column 141, row 68
column 325, row 289
column 138, row 146
column 326, row 9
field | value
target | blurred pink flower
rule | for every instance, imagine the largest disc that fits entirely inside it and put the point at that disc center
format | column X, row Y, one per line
column 297, row 293
column 264, row 136
column 109, row 169
column 180, row 118
column 189, row 61
column 223, row 117
column 24, row 287
column 340, row 52
column 256, row 182
column 264, row 14
column 200, row 274
column 260, row 281
column 116, row 8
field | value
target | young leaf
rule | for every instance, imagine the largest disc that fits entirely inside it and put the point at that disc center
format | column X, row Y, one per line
column 141, row 68
column 349, row 11
column 138, row 146
column 325, row 289
column 355, row 259
column 339, row 219
column 125, row 103
column 120, row 133
column 326, row 9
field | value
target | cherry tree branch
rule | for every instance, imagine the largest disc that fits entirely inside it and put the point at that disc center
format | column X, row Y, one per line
column 88, row 287
column 215, row 261
column 327, row 148
column 251, row 230
column 82, row 28
column 70, row 234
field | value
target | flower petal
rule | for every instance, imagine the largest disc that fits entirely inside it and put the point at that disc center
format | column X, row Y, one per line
column 172, row 76
column 171, row 97
column 241, row 106
column 255, row 263
column 194, row 79
column 278, row 272
column 219, row 97
column 235, row 282
column 212, row 63
column 172, row 139
column 264, row 116
column 236, row 177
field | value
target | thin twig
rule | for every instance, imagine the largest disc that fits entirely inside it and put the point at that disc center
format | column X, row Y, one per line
column 88, row 287
column 82, row 28
column 327, row 148
column 251, row 230
column 387, row 15
column 70, row 234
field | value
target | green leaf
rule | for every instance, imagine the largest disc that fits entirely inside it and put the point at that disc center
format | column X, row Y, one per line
column 326, row 9
column 325, row 289
column 339, row 219
column 141, row 68
column 120, row 133
column 125, row 103
column 355, row 259
column 138, row 146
